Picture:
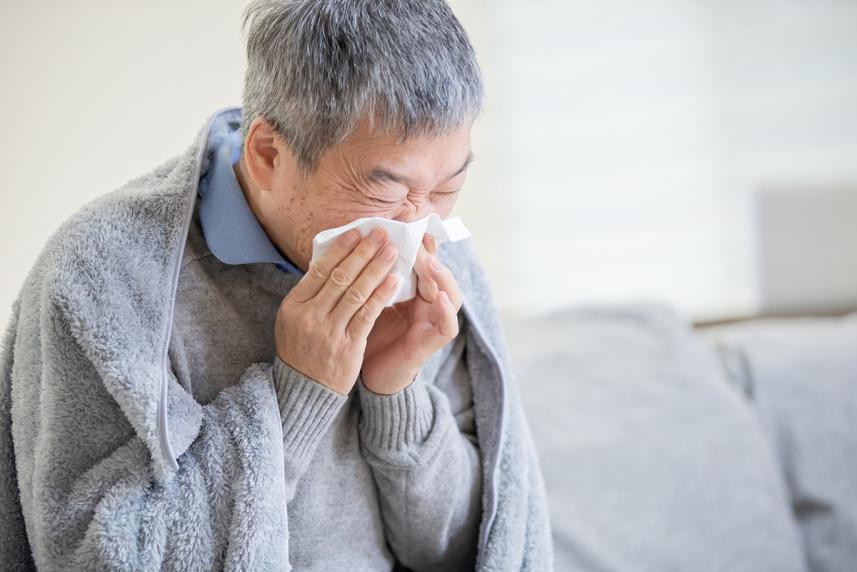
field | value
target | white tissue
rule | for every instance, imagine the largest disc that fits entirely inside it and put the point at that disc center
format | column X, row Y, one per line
column 407, row 238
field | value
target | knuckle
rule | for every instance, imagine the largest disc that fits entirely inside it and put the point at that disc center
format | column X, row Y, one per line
column 363, row 316
column 378, row 268
column 288, row 310
column 375, row 304
column 354, row 296
column 339, row 278
column 365, row 251
column 288, row 304
column 318, row 271
column 306, row 322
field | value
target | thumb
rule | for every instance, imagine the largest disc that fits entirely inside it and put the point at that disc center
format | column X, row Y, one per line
column 444, row 317
column 426, row 284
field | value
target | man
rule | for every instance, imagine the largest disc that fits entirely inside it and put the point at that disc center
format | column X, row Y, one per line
column 181, row 389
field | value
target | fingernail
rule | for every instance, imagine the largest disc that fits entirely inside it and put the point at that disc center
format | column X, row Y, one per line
column 351, row 237
column 377, row 235
column 390, row 252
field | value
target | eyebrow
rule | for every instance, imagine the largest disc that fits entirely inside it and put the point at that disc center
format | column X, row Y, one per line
column 382, row 174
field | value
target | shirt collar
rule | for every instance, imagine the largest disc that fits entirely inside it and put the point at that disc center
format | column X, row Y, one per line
column 231, row 230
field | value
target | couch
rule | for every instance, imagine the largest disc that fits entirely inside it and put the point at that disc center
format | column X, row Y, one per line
column 666, row 446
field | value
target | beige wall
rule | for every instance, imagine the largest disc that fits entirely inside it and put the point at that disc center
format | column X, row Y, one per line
column 95, row 93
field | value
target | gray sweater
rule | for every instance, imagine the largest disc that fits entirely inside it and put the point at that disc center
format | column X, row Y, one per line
column 418, row 470
column 107, row 462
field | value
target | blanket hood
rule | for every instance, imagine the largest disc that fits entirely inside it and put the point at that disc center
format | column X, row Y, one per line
column 114, row 275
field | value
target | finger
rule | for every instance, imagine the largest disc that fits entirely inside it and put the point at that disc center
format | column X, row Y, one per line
column 439, row 326
column 426, row 285
column 430, row 244
column 446, row 282
column 347, row 271
column 364, row 318
column 320, row 270
column 445, row 317
column 358, row 293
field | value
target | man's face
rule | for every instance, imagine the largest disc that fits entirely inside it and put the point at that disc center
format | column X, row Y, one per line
column 366, row 175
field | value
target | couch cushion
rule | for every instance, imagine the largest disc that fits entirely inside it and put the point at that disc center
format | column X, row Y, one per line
column 801, row 376
column 652, row 461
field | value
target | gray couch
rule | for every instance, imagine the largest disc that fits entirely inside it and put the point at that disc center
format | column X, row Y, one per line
column 666, row 447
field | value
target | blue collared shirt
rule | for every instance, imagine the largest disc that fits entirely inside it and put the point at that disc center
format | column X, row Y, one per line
column 231, row 230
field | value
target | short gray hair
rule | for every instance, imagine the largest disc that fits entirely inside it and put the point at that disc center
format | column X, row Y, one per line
column 316, row 67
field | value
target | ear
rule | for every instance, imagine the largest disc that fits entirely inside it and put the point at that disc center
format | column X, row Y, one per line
column 264, row 151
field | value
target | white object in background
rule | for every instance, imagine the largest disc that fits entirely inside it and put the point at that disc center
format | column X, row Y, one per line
column 406, row 236
column 806, row 244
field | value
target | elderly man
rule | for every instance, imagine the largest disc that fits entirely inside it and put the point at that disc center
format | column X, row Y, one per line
column 182, row 389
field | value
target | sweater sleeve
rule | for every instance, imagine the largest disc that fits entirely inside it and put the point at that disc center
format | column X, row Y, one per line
column 422, row 447
column 88, row 492
column 307, row 409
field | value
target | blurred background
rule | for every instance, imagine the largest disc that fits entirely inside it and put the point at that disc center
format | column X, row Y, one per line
column 700, row 153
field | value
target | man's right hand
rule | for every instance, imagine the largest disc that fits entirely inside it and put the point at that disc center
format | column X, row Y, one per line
column 323, row 322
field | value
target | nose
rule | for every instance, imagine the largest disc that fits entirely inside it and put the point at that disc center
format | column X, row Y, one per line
column 412, row 211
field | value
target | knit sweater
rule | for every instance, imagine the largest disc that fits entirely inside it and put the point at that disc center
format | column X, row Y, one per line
column 354, row 463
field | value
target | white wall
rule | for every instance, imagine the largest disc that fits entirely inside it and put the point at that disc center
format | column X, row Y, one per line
column 632, row 135
column 95, row 93
column 615, row 158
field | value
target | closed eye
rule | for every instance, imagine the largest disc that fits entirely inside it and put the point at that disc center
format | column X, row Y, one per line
column 396, row 201
column 377, row 200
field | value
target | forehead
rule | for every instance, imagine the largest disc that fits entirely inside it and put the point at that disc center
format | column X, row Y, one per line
column 373, row 147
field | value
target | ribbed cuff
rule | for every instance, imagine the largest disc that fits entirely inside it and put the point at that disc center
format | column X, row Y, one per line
column 307, row 409
column 398, row 421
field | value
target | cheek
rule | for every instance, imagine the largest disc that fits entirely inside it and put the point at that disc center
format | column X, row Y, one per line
column 352, row 206
column 443, row 206
column 359, row 209
column 345, row 210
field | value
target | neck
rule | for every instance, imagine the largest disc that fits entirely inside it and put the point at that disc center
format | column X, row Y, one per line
column 250, row 191
column 251, row 195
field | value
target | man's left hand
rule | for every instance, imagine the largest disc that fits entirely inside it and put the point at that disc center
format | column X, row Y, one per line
column 407, row 333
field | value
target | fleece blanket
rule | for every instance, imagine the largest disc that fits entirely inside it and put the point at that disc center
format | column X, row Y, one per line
column 107, row 463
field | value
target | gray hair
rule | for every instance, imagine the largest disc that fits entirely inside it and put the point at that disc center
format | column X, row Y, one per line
column 316, row 67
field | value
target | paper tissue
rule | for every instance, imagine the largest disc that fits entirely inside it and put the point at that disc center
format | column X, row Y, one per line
column 407, row 237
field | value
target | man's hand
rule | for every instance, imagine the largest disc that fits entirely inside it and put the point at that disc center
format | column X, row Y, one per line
column 407, row 333
column 323, row 323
